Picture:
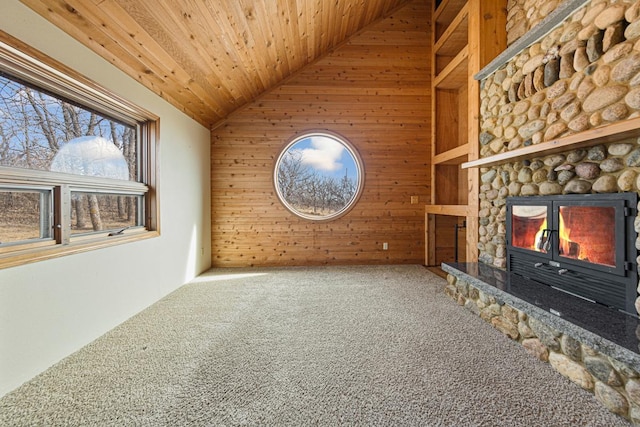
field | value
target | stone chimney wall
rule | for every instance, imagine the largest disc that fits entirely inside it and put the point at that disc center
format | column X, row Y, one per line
column 523, row 15
column 583, row 74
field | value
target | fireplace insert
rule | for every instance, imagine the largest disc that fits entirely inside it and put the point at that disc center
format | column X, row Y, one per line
column 580, row 244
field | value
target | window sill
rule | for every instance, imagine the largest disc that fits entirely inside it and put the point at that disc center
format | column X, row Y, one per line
column 27, row 256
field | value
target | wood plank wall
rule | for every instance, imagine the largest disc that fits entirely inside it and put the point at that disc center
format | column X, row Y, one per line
column 374, row 91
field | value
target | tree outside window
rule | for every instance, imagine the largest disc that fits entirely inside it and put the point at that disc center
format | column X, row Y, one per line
column 318, row 176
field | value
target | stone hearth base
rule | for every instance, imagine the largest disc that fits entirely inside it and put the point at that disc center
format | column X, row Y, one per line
column 594, row 346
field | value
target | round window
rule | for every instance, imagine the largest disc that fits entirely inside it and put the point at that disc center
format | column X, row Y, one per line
column 318, row 176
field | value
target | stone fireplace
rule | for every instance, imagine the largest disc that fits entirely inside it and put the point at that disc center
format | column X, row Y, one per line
column 581, row 76
column 583, row 245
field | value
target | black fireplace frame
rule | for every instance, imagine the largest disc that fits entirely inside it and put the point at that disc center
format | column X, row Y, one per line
column 613, row 286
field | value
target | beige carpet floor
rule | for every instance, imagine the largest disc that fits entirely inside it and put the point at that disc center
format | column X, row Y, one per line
column 326, row 346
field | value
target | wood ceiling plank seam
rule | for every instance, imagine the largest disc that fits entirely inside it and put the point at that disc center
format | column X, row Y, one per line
column 277, row 26
column 80, row 28
column 204, row 50
column 186, row 52
column 303, row 33
column 292, row 37
column 224, row 50
column 335, row 10
column 225, row 18
column 256, row 60
column 263, row 23
column 324, row 38
column 139, row 44
column 342, row 89
column 312, row 19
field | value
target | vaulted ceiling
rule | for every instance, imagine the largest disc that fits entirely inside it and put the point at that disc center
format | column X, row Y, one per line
column 211, row 57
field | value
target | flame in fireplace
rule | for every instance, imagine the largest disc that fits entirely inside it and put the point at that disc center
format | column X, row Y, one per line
column 568, row 247
column 540, row 237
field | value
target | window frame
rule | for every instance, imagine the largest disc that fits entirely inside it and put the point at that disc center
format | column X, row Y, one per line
column 24, row 63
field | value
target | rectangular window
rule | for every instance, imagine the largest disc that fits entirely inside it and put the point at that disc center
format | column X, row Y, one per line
column 77, row 163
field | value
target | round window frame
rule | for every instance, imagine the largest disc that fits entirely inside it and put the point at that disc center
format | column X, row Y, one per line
column 357, row 161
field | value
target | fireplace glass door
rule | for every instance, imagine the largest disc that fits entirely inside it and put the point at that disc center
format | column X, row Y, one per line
column 530, row 225
column 588, row 233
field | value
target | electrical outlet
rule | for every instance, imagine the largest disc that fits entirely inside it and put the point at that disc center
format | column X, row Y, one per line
column 415, row 200
column 385, row 246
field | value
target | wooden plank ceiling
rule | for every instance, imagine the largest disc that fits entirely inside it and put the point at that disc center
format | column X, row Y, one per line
column 211, row 57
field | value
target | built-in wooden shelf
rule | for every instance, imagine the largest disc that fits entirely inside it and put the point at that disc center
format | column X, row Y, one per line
column 454, row 156
column 451, row 210
column 446, row 13
column 454, row 37
column 455, row 74
column 604, row 134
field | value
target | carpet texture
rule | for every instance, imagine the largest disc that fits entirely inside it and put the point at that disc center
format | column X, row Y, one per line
column 371, row 345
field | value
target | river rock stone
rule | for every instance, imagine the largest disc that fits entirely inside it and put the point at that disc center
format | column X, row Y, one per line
column 530, row 128
column 577, row 186
column 554, row 160
column 572, row 110
column 549, row 188
column 595, row 119
column 565, row 176
column 570, row 32
column 525, row 175
column 566, row 66
column 633, row 99
column 603, row 97
column 580, row 123
column 633, row 159
column 615, row 112
column 632, row 31
column 539, row 176
column 633, row 390
column 562, row 101
column 611, row 399
column 587, row 170
column 592, row 13
column 580, row 59
column 557, row 89
column 551, row 72
column 571, row 347
column 585, row 88
column 529, row 190
column 617, row 52
column 601, row 75
column 505, row 326
column 613, row 35
column 626, row 180
column 633, row 12
column 594, row 47
column 488, row 176
column 521, row 107
column 533, row 63
column 620, row 149
column 514, row 188
column 555, row 130
column 587, row 32
column 612, row 164
column 576, row 155
column 610, row 16
column 534, row 347
column 571, row 370
column 597, row 153
column 602, row 370
column 486, row 137
column 605, row 184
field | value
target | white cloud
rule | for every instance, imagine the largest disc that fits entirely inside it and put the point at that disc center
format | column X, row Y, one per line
column 324, row 154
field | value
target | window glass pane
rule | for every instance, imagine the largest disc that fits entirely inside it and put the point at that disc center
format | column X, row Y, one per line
column 318, row 176
column 24, row 215
column 42, row 132
column 104, row 212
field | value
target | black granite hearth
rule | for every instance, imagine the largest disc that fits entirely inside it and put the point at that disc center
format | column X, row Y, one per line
column 607, row 330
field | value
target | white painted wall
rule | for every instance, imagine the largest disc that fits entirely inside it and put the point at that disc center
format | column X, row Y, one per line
column 52, row 308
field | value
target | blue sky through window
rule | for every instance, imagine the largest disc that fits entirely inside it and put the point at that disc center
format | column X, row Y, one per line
column 327, row 156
